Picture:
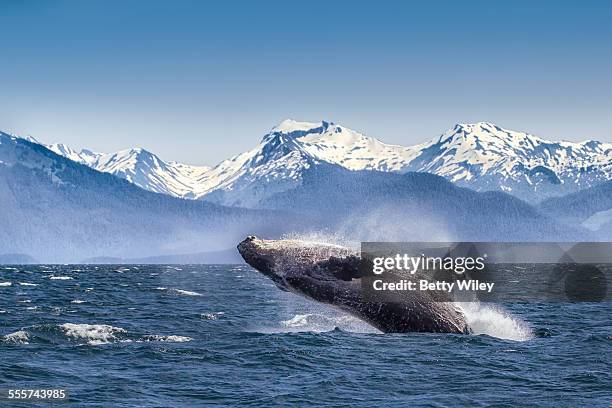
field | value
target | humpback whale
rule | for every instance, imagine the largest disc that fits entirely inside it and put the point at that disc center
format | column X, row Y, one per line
column 330, row 274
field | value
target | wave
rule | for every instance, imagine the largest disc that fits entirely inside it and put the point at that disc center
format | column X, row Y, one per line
column 18, row 337
column 212, row 316
column 6, row 283
column 321, row 321
column 495, row 322
column 84, row 334
column 93, row 333
column 483, row 319
column 186, row 292
column 171, row 338
column 61, row 277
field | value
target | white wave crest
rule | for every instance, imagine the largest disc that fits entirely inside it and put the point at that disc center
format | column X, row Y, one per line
column 28, row 284
column 19, row 337
column 6, row 283
column 495, row 322
column 320, row 322
column 171, row 338
column 187, row 292
column 93, row 333
column 60, row 277
column 212, row 316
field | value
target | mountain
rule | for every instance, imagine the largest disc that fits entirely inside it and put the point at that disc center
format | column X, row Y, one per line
column 383, row 206
column 590, row 208
column 16, row 259
column 227, row 256
column 485, row 157
column 140, row 167
column 481, row 156
column 61, row 211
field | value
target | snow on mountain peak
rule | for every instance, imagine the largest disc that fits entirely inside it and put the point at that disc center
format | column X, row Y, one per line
column 481, row 156
column 29, row 138
column 290, row 126
column 484, row 156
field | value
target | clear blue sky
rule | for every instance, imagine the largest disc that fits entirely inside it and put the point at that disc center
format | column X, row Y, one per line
column 200, row 81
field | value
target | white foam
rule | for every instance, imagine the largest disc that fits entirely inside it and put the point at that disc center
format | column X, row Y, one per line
column 495, row 322
column 323, row 238
column 323, row 322
column 93, row 333
column 60, row 277
column 171, row 338
column 187, row 292
column 18, row 337
column 6, row 283
column 28, row 284
column 211, row 316
column 77, row 301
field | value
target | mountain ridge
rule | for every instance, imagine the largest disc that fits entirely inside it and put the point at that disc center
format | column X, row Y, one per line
column 62, row 211
column 481, row 156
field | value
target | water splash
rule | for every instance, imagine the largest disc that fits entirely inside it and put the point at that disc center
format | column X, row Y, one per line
column 495, row 322
column 321, row 322
column 322, row 237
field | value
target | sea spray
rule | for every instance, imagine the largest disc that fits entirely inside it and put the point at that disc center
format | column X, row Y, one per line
column 493, row 321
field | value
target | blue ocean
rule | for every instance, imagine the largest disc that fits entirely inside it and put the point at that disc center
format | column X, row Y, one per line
column 206, row 335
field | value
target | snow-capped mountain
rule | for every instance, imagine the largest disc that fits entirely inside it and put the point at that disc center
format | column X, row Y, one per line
column 140, row 167
column 277, row 163
column 63, row 211
column 481, row 156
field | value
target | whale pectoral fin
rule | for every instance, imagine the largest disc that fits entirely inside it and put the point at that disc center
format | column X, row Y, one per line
column 345, row 269
column 313, row 288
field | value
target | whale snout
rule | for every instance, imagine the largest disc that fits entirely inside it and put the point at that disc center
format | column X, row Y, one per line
column 253, row 250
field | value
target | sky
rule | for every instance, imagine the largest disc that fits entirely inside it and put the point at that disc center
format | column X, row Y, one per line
column 200, row 81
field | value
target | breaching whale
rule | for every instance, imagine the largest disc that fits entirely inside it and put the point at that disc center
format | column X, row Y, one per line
column 330, row 274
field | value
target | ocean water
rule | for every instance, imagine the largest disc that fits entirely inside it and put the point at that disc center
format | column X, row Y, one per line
column 193, row 335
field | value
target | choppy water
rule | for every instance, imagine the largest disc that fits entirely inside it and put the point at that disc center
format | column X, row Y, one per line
column 198, row 335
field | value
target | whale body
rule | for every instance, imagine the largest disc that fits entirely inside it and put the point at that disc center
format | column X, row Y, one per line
column 330, row 274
